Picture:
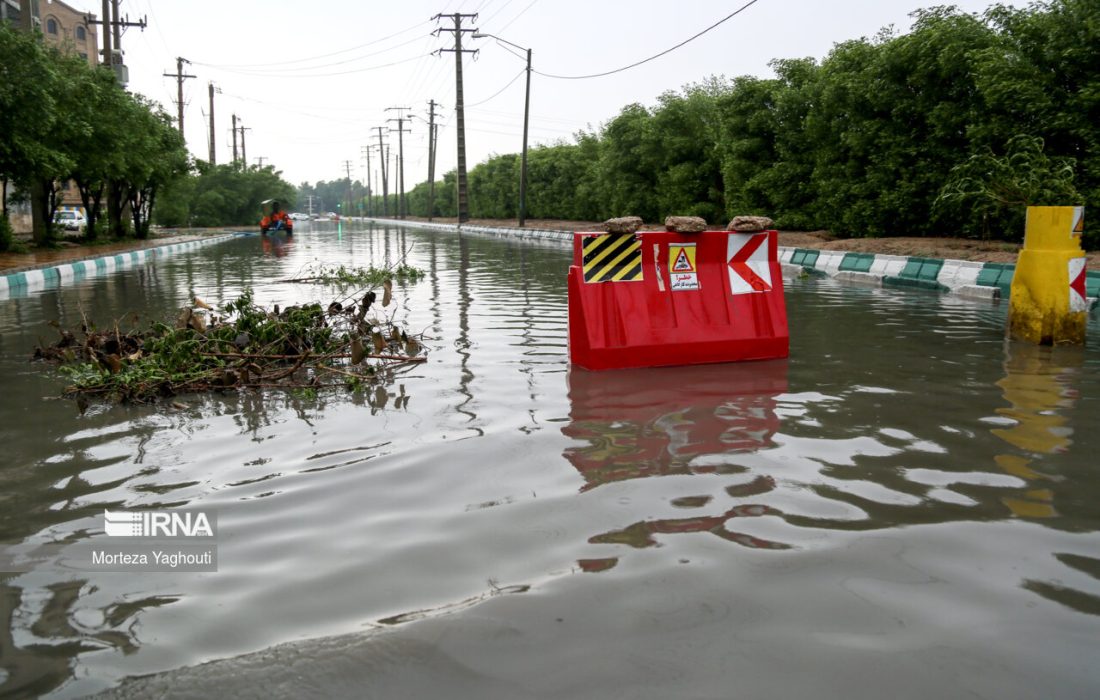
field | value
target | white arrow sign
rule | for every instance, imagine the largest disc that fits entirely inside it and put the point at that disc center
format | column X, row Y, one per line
column 747, row 260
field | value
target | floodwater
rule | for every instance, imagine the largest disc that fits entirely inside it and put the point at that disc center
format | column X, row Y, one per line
column 905, row 508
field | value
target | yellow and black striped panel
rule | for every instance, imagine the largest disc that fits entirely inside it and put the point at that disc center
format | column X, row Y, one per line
column 612, row 258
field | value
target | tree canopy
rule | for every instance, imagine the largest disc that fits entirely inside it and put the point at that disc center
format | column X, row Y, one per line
column 888, row 135
column 61, row 119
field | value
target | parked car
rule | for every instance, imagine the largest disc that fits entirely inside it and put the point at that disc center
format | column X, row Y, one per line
column 298, row 216
column 70, row 220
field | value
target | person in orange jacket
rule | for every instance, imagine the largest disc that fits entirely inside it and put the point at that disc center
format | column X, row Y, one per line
column 276, row 220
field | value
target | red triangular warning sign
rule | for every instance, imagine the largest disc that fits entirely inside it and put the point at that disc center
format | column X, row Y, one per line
column 1079, row 225
column 682, row 263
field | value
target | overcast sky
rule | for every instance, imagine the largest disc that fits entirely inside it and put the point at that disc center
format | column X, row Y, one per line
column 310, row 80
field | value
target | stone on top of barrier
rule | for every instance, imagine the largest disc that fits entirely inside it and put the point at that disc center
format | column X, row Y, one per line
column 750, row 224
column 623, row 224
column 686, row 224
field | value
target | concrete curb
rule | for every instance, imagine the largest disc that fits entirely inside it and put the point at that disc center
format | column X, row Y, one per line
column 17, row 284
column 966, row 278
column 497, row 231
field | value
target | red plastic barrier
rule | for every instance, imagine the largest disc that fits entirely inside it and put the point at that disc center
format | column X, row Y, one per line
column 658, row 298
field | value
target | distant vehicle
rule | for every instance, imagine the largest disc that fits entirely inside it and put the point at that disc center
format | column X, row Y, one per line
column 333, row 216
column 299, row 216
column 70, row 220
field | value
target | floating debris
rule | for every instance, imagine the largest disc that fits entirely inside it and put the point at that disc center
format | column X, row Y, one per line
column 242, row 346
column 341, row 276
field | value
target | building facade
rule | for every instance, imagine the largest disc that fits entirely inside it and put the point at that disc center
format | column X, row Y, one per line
column 69, row 30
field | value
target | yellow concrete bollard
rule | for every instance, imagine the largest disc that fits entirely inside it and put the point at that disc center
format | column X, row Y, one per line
column 1048, row 304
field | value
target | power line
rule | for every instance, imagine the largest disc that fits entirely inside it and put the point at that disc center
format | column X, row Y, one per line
column 521, row 13
column 314, row 58
column 499, row 10
column 655, row 56
column 321, row 75
column 490, row 98
column 263, row 69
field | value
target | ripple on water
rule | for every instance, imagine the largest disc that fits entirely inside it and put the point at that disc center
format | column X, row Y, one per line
column 906, row 482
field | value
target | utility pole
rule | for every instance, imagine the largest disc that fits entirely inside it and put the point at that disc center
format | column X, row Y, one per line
column 402, row 210
column 112, row 27
column 370, row 209
column 213, row 158
column 180, row 77
column 347, row 168
column 385, row 180
column 526, row 114
column 234, row 138
column 463, row 202
column 108, row 50
column 115, row 26
column 261, row 160
column 244, row 155
column 389, row 169
column 523, row 161
column 432, row 143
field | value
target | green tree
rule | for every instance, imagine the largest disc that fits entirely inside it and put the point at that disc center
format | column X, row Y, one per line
column 223, row 195
column 999, row 188
column 98, row 153
column 158, row 157
column 626, row 165
column 494, row 188
column 29, row 81
column 682, row 146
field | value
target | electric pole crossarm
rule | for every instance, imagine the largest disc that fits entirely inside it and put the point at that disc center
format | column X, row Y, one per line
column 180, row 77
column 460, row 113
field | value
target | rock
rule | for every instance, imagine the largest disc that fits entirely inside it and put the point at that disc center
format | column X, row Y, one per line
column 749, row 224
column 685, row 224
column 623, row 224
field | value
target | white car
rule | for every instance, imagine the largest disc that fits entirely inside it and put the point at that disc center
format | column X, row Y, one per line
column 70, row 220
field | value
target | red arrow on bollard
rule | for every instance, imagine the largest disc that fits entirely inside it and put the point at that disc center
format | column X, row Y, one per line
column 1078, row 283
column 739, row 264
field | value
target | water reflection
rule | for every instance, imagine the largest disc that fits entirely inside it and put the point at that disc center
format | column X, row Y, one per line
column 656, row 422
column 43, row 630
column 1039, row 386
column 876, row 473
column 276, row 245
column 670, row 421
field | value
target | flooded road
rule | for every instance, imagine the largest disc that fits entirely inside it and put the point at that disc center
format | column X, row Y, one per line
column 907, row 507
